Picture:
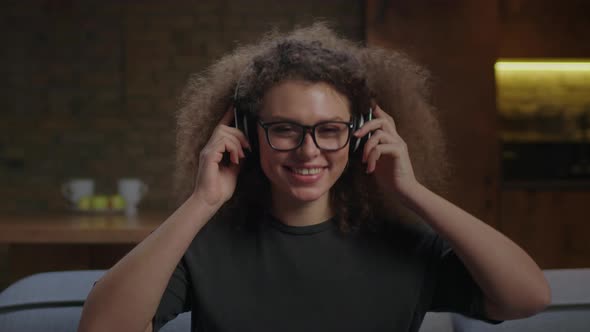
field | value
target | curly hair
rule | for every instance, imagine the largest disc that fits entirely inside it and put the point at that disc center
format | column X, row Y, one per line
column 314, row 54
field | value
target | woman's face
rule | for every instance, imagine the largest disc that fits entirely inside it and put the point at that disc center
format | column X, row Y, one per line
column 306, row 173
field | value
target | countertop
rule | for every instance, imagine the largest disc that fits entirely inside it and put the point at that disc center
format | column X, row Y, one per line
column 77, row 228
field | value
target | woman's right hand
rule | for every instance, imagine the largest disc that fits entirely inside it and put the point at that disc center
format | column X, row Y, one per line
column 217, row 176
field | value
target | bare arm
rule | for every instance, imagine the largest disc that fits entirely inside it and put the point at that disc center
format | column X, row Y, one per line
column 512, row 283
column 127, row 296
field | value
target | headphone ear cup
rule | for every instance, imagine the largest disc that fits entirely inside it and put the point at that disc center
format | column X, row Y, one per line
column 241, row 122
column 237, row 118
column 251, row 132
column 247, row 125
column 356, row 144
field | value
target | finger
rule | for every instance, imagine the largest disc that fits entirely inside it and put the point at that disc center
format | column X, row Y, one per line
column 372, row 126
column 238, row 134
column 215, row 152
column 233, row 149
column 377, row 152
column 236, row 142
column 212, row 152
column 221, row 134
column 373, row 157
column 380, row 113
column 379, row 137
column 209, row 153
column 228, row 117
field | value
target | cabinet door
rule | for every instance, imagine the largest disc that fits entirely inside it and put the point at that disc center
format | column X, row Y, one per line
column 552, row 226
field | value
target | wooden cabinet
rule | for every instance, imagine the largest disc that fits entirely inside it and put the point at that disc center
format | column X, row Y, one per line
column 552, row 225
column 40, row 243
column 551, row 221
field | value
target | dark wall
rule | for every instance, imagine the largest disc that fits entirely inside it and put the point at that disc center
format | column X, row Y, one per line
column 544, row 28
column 458, row 42
column 90, row 87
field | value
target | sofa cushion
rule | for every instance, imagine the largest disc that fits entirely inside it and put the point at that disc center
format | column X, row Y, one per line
column 64, row 288
column 569, row 287
column 59, row 319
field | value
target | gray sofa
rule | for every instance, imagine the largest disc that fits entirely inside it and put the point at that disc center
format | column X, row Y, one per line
column 53, row 301
column 569, row 310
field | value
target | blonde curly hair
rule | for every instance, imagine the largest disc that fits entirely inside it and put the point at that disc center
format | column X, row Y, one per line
column 315, row 53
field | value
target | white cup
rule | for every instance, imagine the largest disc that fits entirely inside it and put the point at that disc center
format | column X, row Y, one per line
column 75, row 189
column 132, row 190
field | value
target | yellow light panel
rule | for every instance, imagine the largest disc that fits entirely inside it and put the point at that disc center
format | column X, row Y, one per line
column 542, row 66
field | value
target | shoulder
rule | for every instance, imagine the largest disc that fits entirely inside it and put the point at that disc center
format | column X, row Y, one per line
column 411, row 237
column 220, row 234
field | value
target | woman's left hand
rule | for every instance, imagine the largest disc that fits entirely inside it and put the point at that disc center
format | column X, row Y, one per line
column 386, row 153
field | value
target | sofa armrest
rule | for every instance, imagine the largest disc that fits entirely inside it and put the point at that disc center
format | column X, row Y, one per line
column 50, row 301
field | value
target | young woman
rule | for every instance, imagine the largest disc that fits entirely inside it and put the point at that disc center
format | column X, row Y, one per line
column 311, row 215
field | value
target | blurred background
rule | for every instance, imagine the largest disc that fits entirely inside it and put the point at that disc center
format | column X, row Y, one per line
column 91, row 88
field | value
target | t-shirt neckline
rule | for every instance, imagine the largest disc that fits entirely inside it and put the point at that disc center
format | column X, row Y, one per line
column 302, row 230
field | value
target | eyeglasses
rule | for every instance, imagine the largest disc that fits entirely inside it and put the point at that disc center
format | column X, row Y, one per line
column 287, row 135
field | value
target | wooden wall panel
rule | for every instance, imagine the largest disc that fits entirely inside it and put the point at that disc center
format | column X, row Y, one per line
column 544, row 28
column 552, row 226
column 457, row 42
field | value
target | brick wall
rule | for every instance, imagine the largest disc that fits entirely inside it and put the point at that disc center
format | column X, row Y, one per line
column 90, row 87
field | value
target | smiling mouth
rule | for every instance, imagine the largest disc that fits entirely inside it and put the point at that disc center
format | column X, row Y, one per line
column 306, row 171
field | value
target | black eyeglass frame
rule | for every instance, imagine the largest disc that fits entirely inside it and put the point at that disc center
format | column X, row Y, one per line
column 306, row 129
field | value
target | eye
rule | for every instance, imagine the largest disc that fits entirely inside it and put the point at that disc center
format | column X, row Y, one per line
column 284, row 129
column 331, row 129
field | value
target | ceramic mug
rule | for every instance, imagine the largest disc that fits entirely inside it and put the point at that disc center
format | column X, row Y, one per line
column 74, row 189
column 132, row 190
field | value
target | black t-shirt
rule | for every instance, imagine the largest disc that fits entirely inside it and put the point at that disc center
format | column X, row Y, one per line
column 276, row 277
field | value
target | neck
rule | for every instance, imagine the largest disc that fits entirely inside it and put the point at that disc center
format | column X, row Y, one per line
column 297, row 213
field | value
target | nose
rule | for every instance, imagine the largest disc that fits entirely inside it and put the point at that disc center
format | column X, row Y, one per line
column 308, row 149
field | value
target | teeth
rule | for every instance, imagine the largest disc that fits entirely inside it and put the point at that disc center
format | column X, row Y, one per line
column 306, row 171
